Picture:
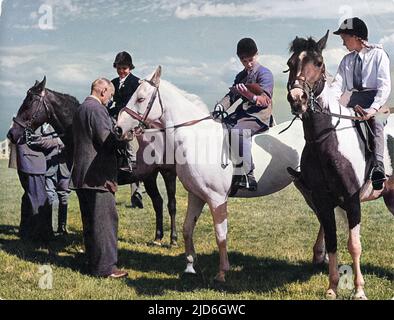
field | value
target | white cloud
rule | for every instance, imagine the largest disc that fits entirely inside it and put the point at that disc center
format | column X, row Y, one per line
column 14, row 61
column 387, row 39
column 74, row 73
column 277, row 64
column 11, row 57
column 27, row 50
column 12, row 88
column 285, row 9
column 333, row 57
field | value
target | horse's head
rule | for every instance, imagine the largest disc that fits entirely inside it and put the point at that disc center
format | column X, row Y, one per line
column 31, row 114
column 144, row 108
column 306, row 72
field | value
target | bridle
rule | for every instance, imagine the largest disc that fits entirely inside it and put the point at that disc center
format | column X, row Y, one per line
column 142, row 118
column 313, row 93
column 27, row 126
column 41, row 104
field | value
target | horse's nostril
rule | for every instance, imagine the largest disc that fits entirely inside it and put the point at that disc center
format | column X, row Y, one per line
column 118, row 131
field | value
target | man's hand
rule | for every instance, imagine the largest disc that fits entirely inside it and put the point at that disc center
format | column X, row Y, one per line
column 366, row 114
column 263, row 100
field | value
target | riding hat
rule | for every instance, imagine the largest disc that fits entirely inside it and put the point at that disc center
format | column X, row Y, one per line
column 246, row 47
column 355, row 27
column 124, row 58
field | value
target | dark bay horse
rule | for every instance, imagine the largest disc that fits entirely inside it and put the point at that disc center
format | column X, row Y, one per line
column 333, row 162
column 44, row 105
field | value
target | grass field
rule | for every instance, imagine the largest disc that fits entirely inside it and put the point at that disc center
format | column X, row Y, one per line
column 270, row 249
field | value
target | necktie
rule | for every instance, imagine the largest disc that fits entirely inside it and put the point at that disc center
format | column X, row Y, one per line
column 357, row 73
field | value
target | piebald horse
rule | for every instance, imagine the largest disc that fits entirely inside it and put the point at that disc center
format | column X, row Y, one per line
column 333, row 163
column 200, row 150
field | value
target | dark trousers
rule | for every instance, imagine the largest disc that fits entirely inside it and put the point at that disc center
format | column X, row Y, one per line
column 36, row 223
column 377, row 123
column 100, row 230
column 57, row 187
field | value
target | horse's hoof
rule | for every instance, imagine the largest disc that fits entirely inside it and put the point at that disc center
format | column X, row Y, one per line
column 190, row 269
column 331, row 295
column 220, row 278
column 360, row 295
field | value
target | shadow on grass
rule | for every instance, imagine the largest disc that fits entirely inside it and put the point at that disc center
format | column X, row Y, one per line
column 248, row 273
column 45, row 253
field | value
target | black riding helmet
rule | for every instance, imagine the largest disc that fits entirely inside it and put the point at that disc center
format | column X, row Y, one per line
column 355, row 27
column 246, row 47
column 124, row 58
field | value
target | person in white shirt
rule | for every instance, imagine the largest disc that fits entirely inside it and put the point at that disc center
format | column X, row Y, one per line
column 365, row 71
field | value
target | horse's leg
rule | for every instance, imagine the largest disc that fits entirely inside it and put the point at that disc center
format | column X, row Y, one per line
column 353, row 210
column 219, row 214
column 327, row 218
column 319, row 249
column 170, row 182
column 194, row 208
column 150, row 182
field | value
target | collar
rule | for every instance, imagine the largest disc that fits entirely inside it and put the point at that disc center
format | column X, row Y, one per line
column 124, row 79
column 94, row 97
column 254, row 70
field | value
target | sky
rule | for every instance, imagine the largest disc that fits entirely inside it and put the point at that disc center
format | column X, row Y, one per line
column 73, row 42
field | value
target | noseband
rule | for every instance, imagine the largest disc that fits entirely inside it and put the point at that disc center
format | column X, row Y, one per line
column 312, row 92
column 42, row 103
column 50, row 115
column 142, row 118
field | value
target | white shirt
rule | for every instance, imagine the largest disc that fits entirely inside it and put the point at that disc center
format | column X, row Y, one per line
column 121, row 81
column 375, row 74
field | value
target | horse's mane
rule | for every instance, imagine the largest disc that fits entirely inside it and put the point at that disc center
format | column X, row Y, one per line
column 301, row 44
column 67, row 97
column 192, row 98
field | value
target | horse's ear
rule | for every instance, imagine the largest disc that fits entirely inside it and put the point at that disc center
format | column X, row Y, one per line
column 36, row 84
column 41, row 85
column 156, row 77
column 323, row 41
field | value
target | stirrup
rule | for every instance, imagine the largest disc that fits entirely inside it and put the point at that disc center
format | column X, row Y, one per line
column 378, row 176
column 294, row 173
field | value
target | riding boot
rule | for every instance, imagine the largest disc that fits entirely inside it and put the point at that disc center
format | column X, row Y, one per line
column 252, row 183
column 245, row 181
column 376, row 138
column 62, row 219
column 378, row 176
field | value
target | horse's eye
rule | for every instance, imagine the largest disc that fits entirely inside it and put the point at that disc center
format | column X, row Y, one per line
column 319, row 64
column 140, row 100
